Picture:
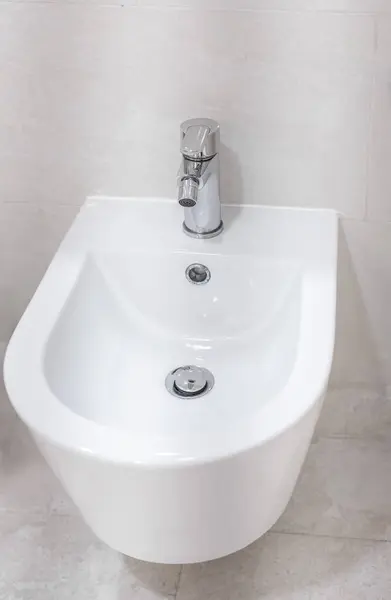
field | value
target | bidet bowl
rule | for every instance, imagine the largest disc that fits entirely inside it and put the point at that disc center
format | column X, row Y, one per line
column 158, row 476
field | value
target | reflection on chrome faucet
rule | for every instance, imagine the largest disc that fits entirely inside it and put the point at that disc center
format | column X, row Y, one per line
column 198, row 178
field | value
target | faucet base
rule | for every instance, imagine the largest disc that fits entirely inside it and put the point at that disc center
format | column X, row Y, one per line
column 205, row 236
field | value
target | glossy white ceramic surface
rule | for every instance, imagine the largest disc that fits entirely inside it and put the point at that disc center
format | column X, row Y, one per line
column 157, row 477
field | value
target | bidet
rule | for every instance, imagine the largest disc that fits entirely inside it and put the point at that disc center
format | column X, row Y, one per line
column 199, row 473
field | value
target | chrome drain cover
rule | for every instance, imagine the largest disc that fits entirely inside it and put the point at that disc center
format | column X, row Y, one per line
column 189, row 382
column 197, row 274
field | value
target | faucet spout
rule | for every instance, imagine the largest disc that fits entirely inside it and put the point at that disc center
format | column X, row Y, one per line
column 188, row 191
column 198, row 178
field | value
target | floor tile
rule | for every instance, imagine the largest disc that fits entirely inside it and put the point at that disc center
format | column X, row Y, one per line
column 26, row 482
column 294, row 567
column 61, row 559
column 356, row 412
column 344, row 490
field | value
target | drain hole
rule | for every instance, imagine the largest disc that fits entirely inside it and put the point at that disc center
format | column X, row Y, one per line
column 191, row 392
column 189, row 381
column 198, row 274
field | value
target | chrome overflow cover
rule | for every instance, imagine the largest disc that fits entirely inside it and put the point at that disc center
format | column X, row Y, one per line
column 197, row 274
column 189, row 381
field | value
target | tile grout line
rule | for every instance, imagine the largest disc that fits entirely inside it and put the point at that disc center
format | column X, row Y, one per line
column 65, row 4
column 250, row 9
column 356, row 386
column 192, row 8
column 327, row 536
column 78, row 205
column 368, row 166
column 178, row 582
column 351, row 438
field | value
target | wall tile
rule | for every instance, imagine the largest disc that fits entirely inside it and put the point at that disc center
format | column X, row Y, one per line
column 60, row 99
column 346, row 6
column 379, row 192
column 95, row 97
column 82, row 2
column 20, row 275
column 286, row 567
column 383, row 23
column 33, row 229
column 343, row 491
column 363, row 339
column 357, row 358
column 27, row 484
column 60, row 558
column 7, row 413
column 29, row 237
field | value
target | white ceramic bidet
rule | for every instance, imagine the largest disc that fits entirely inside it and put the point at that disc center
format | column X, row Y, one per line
column 175, row 404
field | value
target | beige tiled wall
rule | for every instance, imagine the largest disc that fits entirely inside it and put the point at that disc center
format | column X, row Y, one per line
column 92, row 94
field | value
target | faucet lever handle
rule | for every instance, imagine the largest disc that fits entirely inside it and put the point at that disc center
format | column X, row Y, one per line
column 200, row 139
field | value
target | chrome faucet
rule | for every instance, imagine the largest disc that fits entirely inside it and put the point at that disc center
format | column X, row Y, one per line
column 199, row 178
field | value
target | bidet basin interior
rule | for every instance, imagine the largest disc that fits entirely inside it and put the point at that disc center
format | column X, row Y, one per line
column 131, row 318
column 115, row 314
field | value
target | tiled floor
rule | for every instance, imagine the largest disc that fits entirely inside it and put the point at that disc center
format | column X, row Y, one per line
column 333, row 542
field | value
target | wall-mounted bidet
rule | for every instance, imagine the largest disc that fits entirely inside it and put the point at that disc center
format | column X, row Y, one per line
column 178, row 416
column 199, row 178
